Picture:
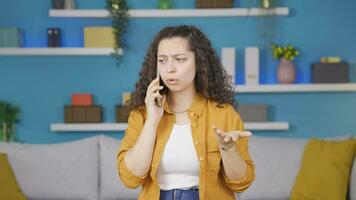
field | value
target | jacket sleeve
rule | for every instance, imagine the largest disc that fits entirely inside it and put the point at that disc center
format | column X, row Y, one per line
column 135, row 126
column 242, row 148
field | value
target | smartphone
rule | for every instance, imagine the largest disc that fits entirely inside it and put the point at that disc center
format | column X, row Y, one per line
column 157, row 100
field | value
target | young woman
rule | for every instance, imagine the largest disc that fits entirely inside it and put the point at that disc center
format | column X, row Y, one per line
column 184, row 138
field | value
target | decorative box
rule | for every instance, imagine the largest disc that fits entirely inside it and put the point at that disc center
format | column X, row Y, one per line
column 99, row 36
column 84, row 99
column 125, row 97
column 93, row 114
column 10, row 37
column 213, row 3
column 330, row 72
column 122, row 113
column 253, row 112
column 82, row 114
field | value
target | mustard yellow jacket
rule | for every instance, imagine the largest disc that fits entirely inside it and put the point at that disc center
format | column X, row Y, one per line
column 203, row 113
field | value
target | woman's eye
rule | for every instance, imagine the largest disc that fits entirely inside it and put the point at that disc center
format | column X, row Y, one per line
column 181, row 59
column 161, row 61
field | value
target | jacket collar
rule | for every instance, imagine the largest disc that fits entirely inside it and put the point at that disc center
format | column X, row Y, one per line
column 196, row 107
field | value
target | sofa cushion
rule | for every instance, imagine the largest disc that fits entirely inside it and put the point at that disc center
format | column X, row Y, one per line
column 111, row 186
column 9, row 189
column 325, row 170
column 56, row 171
column 277, row 162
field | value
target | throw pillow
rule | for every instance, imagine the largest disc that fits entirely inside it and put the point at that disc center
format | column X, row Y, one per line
column 9, row 189
column 325, row 170
column 352, row 186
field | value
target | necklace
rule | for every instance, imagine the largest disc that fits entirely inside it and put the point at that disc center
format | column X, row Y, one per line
column 179, row 112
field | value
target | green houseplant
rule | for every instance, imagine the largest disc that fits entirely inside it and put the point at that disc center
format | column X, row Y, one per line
column 119, row 13
column 9, row 116
column 164, row 4
column 286, row 72
column 288, row 52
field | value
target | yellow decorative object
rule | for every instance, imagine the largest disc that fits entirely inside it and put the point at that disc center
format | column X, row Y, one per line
column 99, row 36
column 125, row 97
column 266, row 3
column 9, row 189
column 333, row 59
column 325, row 170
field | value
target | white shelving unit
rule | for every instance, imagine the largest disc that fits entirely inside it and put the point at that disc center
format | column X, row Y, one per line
column 156, row 13
column 275, row 88
column 62, row 51
column 110, row 127
column 184, row 13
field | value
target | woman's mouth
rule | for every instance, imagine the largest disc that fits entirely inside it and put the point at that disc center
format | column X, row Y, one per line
column 172, row 81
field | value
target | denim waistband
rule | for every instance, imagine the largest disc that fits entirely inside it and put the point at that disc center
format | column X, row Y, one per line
column 194, row 188
column 180, row 194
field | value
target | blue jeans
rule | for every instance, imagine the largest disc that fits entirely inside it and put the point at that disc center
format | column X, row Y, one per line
column 179, row 194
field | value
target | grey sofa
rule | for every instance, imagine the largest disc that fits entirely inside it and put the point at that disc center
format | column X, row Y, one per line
column 86, row 169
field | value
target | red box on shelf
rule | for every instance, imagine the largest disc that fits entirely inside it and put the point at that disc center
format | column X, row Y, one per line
column 83, row 99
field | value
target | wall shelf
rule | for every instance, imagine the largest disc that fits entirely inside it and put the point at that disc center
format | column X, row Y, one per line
column 276, row 126
column 267, row 126
column 274, row 88
column 89, row 127
column 156, row 13
column 61, row 51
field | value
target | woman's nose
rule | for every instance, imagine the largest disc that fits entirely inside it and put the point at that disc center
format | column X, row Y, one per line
column 170, row 66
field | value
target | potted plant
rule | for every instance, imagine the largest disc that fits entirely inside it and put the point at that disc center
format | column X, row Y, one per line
column 164, row 4
column 119, row 13
column 9, row 116
column 286, row 72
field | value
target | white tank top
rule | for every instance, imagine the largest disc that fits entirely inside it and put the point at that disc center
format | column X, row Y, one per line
column 179, row 166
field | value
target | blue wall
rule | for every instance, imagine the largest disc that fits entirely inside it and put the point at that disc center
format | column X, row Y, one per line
column 43, row 85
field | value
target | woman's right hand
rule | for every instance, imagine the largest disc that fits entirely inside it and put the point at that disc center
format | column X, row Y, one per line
column 154, row 113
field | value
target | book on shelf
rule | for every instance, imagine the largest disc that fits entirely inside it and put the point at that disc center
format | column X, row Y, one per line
column 53, row 37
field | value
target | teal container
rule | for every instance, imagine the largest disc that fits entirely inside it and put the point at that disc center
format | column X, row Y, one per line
column 10, row 37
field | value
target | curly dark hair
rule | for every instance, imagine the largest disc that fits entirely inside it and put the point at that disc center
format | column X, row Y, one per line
column 211, row 78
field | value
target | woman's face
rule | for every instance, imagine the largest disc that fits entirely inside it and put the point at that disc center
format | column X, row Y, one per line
column 176, row 63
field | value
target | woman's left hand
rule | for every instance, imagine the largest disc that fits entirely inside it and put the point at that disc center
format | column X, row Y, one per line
column 228, row 139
